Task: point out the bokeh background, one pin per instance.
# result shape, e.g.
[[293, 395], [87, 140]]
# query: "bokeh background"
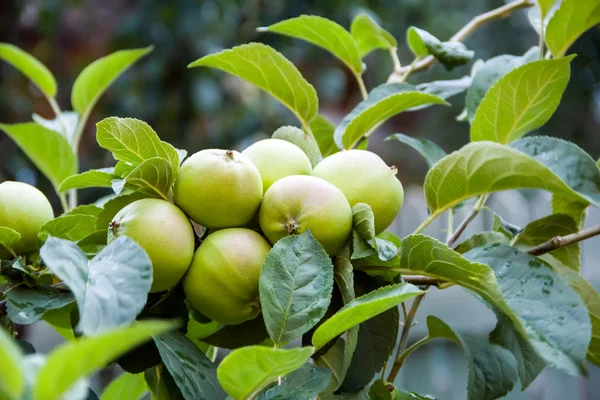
[[201, 108]]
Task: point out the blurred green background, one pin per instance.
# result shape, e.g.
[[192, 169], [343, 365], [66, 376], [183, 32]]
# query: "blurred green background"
[[202, 108]]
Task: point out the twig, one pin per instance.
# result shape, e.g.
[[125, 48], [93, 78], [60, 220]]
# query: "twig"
[[463, 225], [561, 241], [469, 28], [404, 336]]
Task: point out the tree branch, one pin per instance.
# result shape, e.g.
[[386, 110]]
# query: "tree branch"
[[463, 225], [561, 241]]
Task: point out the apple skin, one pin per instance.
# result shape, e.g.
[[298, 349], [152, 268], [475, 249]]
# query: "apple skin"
[[25, 209], [222, 282], [276, 159], [218, 188], [164, 232], [364, 177], [297, 203]]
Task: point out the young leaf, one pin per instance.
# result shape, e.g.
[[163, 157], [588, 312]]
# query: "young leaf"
[[304, 383], [93, 81], [111, 289], [322, 130], [481, 239], [324, 33], [295, 286], [429, 150], [544, 229], [47, 149], [362, 309], [126, 386], [134, 141], [489, 73], [75, 360], [363, 237], [492, 370], [92, 178], [450, 54], [30, 67], [370, 36], [570, 21], [521, 101], [153, 177], [194, 374], [382, 103], [113, 206], [537, 295], [266, 68], [481, 167], [247, 371], [27, 306], [72, 227], [8, 238], [64, 124], [303, 140], [12, 376]]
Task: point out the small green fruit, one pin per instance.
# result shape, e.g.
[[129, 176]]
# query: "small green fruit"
[[297, 203], [222, 282], [25, 209], [164, 232], [276, 159], [218, 188], [363, 177]]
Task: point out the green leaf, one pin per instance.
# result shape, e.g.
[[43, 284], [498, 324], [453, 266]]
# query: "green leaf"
[[113, 206], [489, 73], [111, 289], [333, 360], [295, 286], [161, 384], [35, 71], [153, 177], [450, 54], [521, 101], [75, 360], [8, 237], [363, 236], [66, 124], [485, 167], [47, 149], [12, 376], [324, 33], [446, 88], [383, 102], [370, 36], [556, 320], [60, 320], [247, 371], [565, 205], [570, 21], [362, 309], [93, 81], [545, 6], [72, 227], [322, 130], [304, 383], [363, 221], [266, 68], [134, 141], [305, 141], [492, 370], [504, 227], [85, 209], [27, 306], [429, 150], [481, 239], [92, 178], [126, 386], [234, 336], [544, 229], [194, 374]]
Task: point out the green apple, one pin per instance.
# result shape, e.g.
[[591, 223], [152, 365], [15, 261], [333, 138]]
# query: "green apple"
[[276, 159], [364, 177], [222, 282], [218, 188], [166, 234], [25, 209], [297, 203]]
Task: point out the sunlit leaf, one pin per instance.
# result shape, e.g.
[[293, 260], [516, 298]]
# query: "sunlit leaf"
[[570, 21], [92, 178], [30, 67], [370, 36]]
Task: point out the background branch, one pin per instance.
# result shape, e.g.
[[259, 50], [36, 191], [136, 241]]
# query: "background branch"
[[561, 241]]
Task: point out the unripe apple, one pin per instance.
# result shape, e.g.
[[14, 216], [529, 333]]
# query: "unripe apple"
[[218, 188], [222, 282], [25, 209], [164, 232], [276, 159], [363, 177], [297, 203]]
